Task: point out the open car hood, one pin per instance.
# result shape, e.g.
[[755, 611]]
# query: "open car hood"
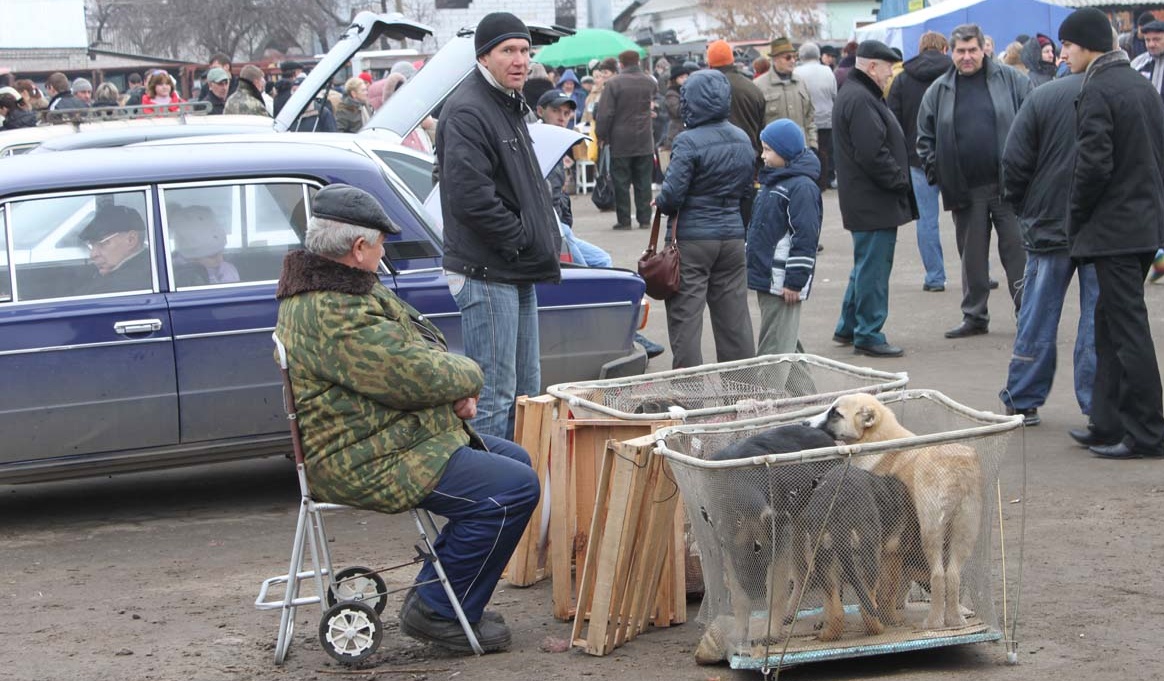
[[550, 144], [366, 28], [440, 76]]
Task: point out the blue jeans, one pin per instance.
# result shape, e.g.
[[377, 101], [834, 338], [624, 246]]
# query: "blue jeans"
[[499, 326], [866, 304], [488, 498], [1032, 366], [929, 239]]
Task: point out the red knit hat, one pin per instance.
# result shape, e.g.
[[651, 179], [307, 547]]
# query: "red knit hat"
[[366, 77], [719, 53]]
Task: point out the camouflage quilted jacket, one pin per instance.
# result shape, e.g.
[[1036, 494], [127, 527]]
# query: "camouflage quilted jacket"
[[373, 383]]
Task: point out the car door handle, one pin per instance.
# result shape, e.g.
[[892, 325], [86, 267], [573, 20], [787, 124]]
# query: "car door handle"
[[134, 326]]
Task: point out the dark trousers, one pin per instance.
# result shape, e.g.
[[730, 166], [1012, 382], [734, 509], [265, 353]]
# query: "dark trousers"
[[825, 153], [712, 274], [972, 224], [487, 498], [1126, 398], [628, 171], [866, 304]]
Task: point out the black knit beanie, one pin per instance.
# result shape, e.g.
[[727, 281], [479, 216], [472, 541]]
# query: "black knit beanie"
[[496, 28], [1088, 28]]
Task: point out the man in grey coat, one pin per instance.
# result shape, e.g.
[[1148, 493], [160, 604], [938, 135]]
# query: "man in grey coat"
[[962, 126], [822, 88]]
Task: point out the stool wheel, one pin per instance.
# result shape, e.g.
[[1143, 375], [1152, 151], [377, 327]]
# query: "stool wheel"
[[350, 632], [358, 584]]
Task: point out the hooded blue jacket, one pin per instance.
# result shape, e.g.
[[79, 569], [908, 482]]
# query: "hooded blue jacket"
[[785, 227], [712, 164], [579, 95]]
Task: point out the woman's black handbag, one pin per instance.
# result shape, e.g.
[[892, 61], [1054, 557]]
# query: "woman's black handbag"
[[603, 195], [660, 269]]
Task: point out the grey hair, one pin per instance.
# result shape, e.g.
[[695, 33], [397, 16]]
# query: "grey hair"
[[334, 239], [967, 32], [809, 51]]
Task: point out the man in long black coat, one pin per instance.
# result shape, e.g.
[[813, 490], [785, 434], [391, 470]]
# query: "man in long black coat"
[[1116, 220], [875, 194]]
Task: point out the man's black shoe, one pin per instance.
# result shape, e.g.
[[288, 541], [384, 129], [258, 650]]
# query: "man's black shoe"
[[421, 622], [933, 288], [488, 615], [1087, 437], [965, 330], [1121, 450], [993, 284], [883, 350], [842, 340], [1030, 416], [622, 225], [644, 225]]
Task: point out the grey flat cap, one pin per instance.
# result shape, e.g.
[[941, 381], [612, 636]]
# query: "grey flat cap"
[[352, 205], [875, 49]]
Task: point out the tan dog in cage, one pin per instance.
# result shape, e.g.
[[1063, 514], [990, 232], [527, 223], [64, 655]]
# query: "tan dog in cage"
[[945, 482]]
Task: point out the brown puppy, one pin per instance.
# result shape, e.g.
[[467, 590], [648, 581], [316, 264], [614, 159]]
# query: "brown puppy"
[[945, 482]]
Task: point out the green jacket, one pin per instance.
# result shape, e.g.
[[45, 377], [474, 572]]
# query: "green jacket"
[[374, 386]]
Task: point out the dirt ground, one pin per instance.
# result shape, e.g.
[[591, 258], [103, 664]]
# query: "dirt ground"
[[153, 576]]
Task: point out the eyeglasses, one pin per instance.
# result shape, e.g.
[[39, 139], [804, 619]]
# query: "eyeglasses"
[[94, 245]]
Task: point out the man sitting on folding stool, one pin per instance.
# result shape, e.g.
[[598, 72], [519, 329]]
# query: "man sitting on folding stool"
[[383, 408]]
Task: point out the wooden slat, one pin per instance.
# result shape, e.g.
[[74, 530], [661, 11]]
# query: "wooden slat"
[[532, 431], [561, 522]]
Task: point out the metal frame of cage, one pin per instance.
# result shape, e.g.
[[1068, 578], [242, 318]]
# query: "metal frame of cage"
[[737, 398], [776, 654]]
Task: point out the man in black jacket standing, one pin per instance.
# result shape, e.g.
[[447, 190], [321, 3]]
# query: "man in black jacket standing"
[[1036, 172], [961, 130], [905, 96], [1116, 221], [875, 196], [500, 233]]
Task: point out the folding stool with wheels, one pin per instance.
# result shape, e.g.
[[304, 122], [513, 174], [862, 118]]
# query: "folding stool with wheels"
[[353, 598]]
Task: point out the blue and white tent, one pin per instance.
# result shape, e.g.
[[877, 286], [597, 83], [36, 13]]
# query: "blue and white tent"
[[1000, 19]]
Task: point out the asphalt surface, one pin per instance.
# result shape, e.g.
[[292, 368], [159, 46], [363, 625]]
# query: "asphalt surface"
[[153, 576]]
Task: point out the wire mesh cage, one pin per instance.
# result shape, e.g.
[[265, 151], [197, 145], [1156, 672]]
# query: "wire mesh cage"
[[813, 550], [762, 386]]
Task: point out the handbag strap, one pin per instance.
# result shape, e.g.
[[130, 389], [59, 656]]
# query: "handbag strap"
[[653, 242]]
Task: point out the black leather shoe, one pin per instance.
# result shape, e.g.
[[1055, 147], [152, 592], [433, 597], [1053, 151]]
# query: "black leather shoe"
[[993, 284], [622, 226], [1087, 437], [421, 622], [1119, 450], [487, 616], [883, 350], [933, 288], [965, 330], [842, 340]]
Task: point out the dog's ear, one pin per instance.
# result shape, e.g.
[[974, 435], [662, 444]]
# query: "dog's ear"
[[866, 417]]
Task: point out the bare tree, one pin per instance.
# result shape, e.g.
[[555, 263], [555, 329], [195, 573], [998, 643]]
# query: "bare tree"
[[754, 20]]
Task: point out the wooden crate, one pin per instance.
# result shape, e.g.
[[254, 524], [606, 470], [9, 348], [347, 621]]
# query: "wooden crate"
[[633, 571], [578, 447], [532, 427]]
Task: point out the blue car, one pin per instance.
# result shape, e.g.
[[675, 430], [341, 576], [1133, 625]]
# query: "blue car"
[[168, 362]]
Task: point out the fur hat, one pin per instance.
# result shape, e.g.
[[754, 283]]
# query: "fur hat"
[[496, 28], [784, 137], [1088, 28], [719, 53], [197, 233]]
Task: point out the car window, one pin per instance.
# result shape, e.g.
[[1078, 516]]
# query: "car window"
[[416, 173], [230, 233], [5, 273], [80, 244]]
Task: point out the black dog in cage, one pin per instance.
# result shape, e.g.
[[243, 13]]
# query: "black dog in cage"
[[851, 521], [754, 523]]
